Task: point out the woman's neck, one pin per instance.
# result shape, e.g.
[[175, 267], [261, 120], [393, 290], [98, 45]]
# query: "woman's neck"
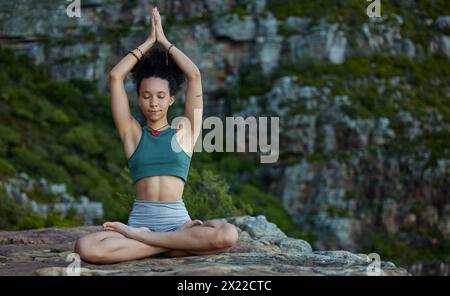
[[157, 125]]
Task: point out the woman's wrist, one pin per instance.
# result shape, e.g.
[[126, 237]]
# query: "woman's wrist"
[[165, 43], [144, 47]]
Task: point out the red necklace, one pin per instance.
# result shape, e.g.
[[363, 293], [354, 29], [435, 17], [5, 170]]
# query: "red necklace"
[[155, 132]]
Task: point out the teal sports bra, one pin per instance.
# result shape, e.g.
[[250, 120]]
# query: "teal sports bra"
[[154, 156]]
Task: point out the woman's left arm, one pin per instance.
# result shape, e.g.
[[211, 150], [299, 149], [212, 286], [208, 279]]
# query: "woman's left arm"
[[194, 97]]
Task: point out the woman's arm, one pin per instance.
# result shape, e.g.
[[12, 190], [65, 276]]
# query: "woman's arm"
[[121, 70], [194, 98], [189, 68], [120, 108]]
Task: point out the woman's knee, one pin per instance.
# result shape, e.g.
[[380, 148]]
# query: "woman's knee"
[[227, 236], [88, 248]]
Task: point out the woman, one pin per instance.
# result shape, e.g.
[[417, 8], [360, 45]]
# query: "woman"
[[159, 158]]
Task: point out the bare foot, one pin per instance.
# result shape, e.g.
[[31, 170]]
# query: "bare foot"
[[191, 223], [128, 231]]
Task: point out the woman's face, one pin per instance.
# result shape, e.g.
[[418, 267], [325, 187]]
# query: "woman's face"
[[154, 99]]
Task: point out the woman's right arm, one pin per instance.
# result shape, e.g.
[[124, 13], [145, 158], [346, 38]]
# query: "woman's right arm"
[[119, 100], [123, 119]]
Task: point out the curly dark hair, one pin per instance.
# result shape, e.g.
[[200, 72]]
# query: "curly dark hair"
[[153, 64]]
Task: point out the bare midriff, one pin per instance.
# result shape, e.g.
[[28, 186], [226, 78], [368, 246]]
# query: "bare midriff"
[[159, 188]]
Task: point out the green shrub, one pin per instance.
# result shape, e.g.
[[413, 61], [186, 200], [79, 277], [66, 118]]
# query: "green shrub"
[[62, 93], [56, 219], [9, 211], [266, 204], [206, 197], [85, 138], [81, 183], [26, 159], [54, 172], [252, 80], [59, 116], [115, 207], [10, 136], [30, 221], [3, 148], [77, 165]]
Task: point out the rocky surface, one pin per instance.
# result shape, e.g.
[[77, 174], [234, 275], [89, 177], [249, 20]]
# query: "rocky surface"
[[262, 249]]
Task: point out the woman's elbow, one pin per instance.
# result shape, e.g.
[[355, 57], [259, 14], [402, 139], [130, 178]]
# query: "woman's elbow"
[[195, 75], [114, 76]]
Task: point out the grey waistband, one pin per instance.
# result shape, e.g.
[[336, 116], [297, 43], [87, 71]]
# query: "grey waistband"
[[158, 215]]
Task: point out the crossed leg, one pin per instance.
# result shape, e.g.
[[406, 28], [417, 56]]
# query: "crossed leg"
[[204, 238], [109, 247], [121, 244], [182, 253]]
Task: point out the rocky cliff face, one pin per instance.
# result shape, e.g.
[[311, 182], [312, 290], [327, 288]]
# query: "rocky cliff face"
[[364, 149], [262, 249]]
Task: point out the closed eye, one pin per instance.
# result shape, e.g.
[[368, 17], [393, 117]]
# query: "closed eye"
[[161, 97], [148, 97]]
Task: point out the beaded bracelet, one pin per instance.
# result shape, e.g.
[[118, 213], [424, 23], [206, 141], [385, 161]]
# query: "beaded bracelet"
[[142, 54], [134, 55]]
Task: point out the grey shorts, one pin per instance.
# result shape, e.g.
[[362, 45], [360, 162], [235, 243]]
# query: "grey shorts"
[[158, 216]]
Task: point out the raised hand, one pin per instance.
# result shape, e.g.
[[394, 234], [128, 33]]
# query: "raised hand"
[[152, 36], [160, 37]]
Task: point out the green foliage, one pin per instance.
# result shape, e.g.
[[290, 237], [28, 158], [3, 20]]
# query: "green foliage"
[[247, 197], [56, 219], [332, 9], [15, 216], [395, 248], [84, 138], [270, 206], [54, 172], [207, 197], [360, 77], [191, 21], [76, 165], [113, 209], [30, 221], [26, 159], [120, 29], [354, 11], [9, 136], [6, 169], [46, 132], [252, 80], [10, 211], [240, 10], [33, 220]]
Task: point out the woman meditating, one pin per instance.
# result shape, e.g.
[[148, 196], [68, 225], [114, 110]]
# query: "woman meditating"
[[159, 157]]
